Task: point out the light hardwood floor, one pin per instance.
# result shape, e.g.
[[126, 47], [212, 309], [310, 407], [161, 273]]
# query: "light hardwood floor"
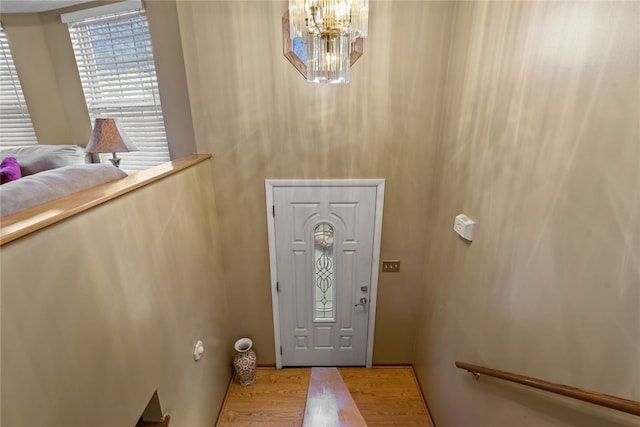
[[386, 396]]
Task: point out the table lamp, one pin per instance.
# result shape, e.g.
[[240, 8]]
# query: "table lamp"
[[109, 137]]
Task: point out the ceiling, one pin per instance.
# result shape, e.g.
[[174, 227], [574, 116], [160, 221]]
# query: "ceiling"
[[29, 6]]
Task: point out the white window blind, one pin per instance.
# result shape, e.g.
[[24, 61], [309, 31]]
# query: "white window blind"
[[115, 61], [16, 128]]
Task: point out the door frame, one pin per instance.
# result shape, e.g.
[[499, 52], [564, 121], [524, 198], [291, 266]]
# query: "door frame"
[[270, 184]]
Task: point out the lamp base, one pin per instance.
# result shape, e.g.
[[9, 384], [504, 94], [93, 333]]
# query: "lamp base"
[[115, 161]]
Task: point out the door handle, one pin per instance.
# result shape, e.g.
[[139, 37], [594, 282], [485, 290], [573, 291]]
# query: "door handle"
[[363, 302]]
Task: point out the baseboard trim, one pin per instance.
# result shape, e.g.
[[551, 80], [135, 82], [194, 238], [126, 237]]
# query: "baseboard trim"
[[424, 401], [226, 397]]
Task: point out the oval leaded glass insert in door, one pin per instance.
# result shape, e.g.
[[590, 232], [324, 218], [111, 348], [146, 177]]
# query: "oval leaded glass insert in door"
[[324, 277]]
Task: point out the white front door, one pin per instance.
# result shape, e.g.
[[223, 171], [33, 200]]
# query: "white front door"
[[326, 257]]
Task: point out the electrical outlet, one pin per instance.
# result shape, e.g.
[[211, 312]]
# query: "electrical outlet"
[[391, 266]]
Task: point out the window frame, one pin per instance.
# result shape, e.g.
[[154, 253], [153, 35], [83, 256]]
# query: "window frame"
[[124, 89]]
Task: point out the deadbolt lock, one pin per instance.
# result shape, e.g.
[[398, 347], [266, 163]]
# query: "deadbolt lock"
[[364, 288]]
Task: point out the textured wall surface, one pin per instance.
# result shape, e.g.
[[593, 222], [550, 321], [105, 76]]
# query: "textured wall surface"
[[541, 145], [30, 46], [263, 120], [104, 308], [523, 115]]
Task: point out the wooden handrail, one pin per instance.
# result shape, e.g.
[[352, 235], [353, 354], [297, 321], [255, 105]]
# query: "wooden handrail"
[[613, 402]]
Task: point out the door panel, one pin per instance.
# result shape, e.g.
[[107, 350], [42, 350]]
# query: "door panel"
[[324, 252]]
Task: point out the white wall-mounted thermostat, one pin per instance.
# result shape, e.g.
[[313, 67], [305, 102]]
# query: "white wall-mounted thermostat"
[[464, 226]]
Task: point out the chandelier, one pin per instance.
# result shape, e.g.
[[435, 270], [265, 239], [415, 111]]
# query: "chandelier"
[[329, 28]]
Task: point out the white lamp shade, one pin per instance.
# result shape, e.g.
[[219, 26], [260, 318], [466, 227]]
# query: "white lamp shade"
[[109, 137]]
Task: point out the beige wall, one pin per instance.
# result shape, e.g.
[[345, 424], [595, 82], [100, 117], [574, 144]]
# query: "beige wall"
[[66, 73], [263, 120], [42, 51], [541, 145], [522, 115], [36, 68], [172, 80], [101, 309]]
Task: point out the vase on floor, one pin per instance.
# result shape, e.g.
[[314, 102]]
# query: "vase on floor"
[[244, 362]]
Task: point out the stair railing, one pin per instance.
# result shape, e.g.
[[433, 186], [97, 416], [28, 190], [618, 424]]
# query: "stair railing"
[[608, 401]]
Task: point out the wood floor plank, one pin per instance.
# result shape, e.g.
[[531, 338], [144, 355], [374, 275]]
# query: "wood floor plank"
[[276, 399], [385, 396]]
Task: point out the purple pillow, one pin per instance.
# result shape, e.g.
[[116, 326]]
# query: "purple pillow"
[[9, 170]]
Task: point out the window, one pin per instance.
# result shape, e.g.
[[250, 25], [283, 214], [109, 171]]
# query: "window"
[[323, 261], [15, 123], [114, 55]]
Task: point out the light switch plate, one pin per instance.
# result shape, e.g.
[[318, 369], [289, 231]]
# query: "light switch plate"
[[391, 266]]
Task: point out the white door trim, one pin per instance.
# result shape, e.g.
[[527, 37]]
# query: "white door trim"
[[379, 184]]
